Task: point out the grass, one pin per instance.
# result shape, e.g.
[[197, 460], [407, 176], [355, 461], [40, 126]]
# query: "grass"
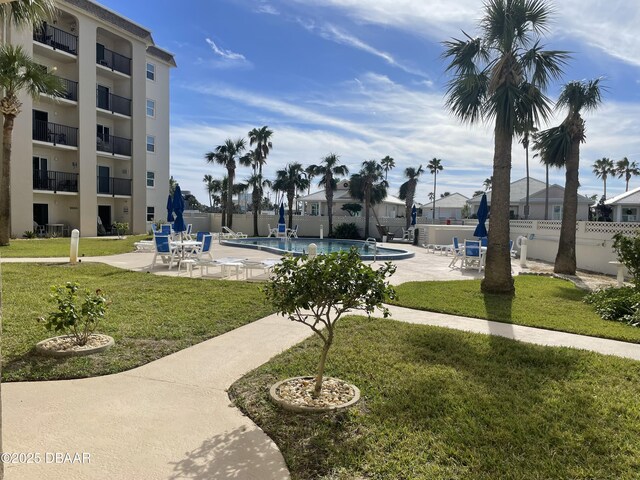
[[150, 316], [59, 247], [443, 404], [539, 302]]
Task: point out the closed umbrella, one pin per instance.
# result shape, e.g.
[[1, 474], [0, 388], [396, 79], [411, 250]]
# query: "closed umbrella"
[[483, 212], [414, 215], [169, 209], [281, 211], [178, 208]]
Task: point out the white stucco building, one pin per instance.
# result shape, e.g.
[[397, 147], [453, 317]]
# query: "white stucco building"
[[447, 208], [102, 150], [626, 206]]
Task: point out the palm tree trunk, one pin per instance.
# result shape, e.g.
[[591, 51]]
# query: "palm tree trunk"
[[255, 197], [526, 205], [329, 195], [433, 216], [5, 180], [627, 178], [566, 257], [604, 181], [497, 273], [546, 193], [230, 175], [290, 196]]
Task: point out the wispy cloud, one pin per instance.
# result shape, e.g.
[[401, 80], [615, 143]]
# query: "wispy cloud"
[[267, 9], [225, 54]]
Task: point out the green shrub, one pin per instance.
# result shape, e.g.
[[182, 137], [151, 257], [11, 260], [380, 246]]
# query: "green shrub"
[[628, 250], [29, 234], [617, 304], [346, 230]]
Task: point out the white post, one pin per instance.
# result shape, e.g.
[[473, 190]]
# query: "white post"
[[75, 240], [523, 253], [321, 232], [313, 250]]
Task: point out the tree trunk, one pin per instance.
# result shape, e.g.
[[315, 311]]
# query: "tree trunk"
[[526, 205], [323, 361], [497, 272], [566, 257], [367, 206], [409, 205], [255, 200], [604, 180], [5, 181], [290, 196], [329, 195], [546, 194], [433, 216], [230, 174]]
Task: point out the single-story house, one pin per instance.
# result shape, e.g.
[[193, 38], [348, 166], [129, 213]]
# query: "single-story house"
[[447, 208], [316, 203], [626, 206], [518, 197]]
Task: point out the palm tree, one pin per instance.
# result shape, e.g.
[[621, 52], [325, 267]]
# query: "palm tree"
[[208, 185], [526, 130], [387, 163], [627, 170], [291, 180], [560, 146], [477, 193], [327, 170], [226, 155], [261, 138], [501, 77], [257, 183], [408, 190], [18, 73], [434, 166], [487, 184], [369, 187], [310, 176], [252, 159], [602, 168]]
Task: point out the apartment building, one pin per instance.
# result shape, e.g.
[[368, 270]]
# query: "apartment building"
[[100, 152]]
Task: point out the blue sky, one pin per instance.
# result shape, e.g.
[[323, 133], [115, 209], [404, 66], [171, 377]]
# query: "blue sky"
[[364, 79]]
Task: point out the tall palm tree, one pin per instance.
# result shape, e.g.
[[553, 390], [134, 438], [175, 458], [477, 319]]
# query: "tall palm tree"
[[209, 186], [487, 184], [261, 138], [327, 170], [226, 155], [252, 159], [387, 163], [18, 73], [526, 130], [369, 187], [434, 166], [257, 183], [310, 171], [627, 169], [408, 190], [560, 146], [291, 180], [501, 77], [602, 168]]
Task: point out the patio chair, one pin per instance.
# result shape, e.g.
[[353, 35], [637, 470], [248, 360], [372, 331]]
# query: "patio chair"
[[407, 233], [383, 230], [457, 252], [484, 241], [292, 232], [39, 230], [472, 256], [264, 265], [233, 234], [282, 231], [164, 250], [188, 231], [273, 232], [165, 229]]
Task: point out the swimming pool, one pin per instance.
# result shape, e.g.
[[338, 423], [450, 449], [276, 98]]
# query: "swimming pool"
[[300, 246]]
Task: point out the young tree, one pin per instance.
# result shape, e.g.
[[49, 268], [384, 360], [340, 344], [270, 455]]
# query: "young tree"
[[408, 190], [602, 168], [327, 171], [434, 166], [226, 155], [299, 289], [501, 77], [291, 180], [627, 169], [560, 146], [369, 187]]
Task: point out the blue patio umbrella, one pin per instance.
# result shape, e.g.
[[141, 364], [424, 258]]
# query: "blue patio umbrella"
[[178, 208], [483, 212], [281, 210], [169, 209], [414, 215]]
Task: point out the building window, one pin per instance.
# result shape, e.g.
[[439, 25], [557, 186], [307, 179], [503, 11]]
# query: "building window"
[[151, 213], [315, 209], [151, 143], [630, 214], [151, 108], [557, 212], [151, 179], [151, 71]]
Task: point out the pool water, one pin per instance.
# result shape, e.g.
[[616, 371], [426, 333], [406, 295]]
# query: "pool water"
[[300, 246]]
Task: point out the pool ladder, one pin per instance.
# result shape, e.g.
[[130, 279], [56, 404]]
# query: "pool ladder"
[[372, 241]]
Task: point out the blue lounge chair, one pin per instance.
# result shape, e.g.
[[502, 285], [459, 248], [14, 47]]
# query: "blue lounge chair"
[[164, 250]]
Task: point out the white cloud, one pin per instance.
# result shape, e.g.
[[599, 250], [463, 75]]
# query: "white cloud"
[[267, 9], [225, 54]]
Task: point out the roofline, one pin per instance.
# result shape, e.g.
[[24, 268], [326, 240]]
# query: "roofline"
[[161, 54]]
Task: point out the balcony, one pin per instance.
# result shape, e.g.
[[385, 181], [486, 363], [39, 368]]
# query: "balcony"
[[112, 60], [114, 145], [113, 103], [56, 38], [55, 181], [70, 91], [113, 186], [55, 134]]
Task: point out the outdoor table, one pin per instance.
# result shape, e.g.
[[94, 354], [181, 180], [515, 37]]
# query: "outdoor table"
[[55, 228], [185, 245]]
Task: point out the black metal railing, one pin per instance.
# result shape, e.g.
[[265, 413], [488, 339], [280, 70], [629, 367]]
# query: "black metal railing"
[[70, 89], [113, 103], [56, 38], [114, 61], [54, 133], [114, 145], [114, 186], [55, 181]]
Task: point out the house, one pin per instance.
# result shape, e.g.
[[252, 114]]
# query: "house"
[[626, 206], [517, 201], [316, 203], [447, 208], [101, 149]]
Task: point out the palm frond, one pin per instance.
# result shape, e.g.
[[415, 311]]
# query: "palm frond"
[[542, 66], [466, 95], [28, 12], [554, 145]]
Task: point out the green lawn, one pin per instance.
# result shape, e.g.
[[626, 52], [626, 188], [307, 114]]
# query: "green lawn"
[[59, 247], [149, 317], [443, 404], [539, 302]]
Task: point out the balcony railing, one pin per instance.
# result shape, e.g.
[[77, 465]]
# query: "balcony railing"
[[114, 145], [54, 133], [56, 38], [114, 186], [114, 61], [70, 89], [113, 103], [55, 181]]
